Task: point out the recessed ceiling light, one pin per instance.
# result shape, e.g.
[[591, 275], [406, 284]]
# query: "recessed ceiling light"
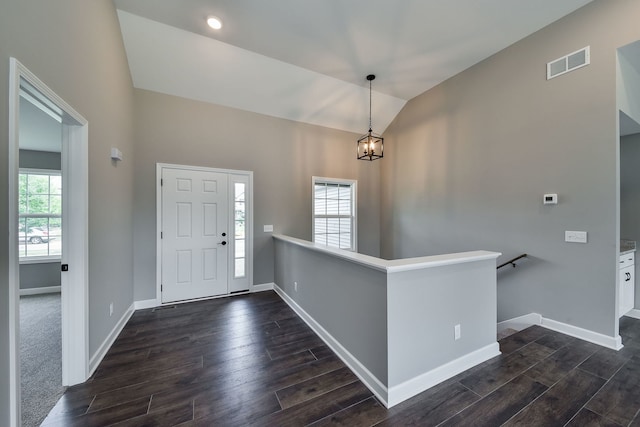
[[214, 22]]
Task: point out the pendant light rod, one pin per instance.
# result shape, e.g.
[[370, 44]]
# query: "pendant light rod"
[[370, 77]]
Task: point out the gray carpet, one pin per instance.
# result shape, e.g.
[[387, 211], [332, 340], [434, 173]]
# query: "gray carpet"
[[40, 356]]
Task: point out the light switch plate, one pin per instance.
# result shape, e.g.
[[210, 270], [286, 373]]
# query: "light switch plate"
[[268, 228], [575, 236]]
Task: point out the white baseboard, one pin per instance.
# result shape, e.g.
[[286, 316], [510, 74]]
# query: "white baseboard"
[[109, 340], [263, 287], [38, 291], [370, 380], [614, 343], [521, 322], [414, 386], [143, 304], [634, 312]]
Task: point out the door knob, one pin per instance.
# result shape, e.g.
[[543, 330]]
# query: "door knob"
[[223, 243], [224, 234]]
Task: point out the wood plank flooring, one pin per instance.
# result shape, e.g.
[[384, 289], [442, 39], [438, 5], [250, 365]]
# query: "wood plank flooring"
[[249, 360]]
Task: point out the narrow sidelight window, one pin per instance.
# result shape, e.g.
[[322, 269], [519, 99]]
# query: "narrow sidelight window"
[[240, 237]]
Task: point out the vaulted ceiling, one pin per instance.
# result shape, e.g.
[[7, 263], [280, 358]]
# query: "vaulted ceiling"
[[306, 60]]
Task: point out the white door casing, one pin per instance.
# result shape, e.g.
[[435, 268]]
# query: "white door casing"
[[194, 234], [75, 282]]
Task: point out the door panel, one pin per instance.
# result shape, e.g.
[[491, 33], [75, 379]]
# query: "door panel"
[[194, 216]]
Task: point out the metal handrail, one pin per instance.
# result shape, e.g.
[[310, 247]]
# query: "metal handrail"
[[512, 261]]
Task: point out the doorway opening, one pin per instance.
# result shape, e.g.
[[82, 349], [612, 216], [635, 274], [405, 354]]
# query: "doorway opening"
[[205, 238], [628, 103], [40, 249], [70, 213]]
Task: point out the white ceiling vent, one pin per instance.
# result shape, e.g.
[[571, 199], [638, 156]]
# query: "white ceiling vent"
[[569, 62]]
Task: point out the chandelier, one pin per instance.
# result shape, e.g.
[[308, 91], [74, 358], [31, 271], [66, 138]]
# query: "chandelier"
[[370, 145]]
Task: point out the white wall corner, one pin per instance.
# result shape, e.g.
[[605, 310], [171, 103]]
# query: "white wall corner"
[[109, 340], [263, 287], [521, 322]]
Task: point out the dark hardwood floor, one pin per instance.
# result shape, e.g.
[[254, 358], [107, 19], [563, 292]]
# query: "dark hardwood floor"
[[249, 360]]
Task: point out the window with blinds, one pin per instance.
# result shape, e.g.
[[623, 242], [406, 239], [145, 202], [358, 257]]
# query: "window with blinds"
[[334, 213]]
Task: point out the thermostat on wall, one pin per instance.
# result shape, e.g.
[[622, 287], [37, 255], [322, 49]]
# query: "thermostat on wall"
[[550, 199]]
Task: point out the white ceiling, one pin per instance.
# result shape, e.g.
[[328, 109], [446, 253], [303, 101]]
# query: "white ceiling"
[[628, 126], [38, 130], [307, 60]]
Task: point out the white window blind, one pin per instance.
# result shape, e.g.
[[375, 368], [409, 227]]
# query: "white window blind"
[[334, 213]]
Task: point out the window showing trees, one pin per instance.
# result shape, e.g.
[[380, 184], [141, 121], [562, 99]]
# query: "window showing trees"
[[40, 214]]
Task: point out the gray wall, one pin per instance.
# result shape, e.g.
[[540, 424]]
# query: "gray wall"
[[283, 155], [75, 47], [469, 161], [41, 274], [425, 305], [349, 300], [399, 325], [630, 195]]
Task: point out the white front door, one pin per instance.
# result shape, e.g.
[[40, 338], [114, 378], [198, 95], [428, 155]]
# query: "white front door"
[[194, 235]]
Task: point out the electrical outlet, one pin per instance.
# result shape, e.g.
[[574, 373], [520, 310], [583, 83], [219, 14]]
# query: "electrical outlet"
[[456, 332], [295, 286], [111, 309], [575, 236]]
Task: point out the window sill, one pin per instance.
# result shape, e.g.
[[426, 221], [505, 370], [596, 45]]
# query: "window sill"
[[40, 260]]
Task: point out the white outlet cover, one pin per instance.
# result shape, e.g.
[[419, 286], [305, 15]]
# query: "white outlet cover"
[[575, 236], [268, 228]]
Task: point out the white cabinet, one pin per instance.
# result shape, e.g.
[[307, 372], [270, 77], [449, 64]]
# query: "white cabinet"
[[626, 294]]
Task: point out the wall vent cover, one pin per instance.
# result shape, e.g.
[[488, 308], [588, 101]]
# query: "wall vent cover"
[[570, 62]]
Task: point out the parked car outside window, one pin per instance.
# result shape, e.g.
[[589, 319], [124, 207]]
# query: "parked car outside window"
[[34, 235]]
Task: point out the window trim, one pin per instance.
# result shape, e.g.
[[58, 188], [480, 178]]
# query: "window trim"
[[39, 259], [354, 207]]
